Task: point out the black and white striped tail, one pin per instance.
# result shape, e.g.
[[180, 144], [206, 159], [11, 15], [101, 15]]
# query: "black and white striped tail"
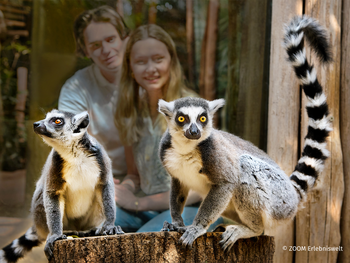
[[319, 126], [19, 247]]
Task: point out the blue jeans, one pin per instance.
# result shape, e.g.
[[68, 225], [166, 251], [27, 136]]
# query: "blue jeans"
[[152, 221]]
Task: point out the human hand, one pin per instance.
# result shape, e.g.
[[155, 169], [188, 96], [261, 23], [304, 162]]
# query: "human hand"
[[124, 197]]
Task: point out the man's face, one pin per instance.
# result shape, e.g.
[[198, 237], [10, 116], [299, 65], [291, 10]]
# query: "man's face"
[[104, 45]]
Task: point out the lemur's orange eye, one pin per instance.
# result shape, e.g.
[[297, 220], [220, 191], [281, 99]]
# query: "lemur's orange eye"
[[58, 121], [181, 119], [203, 119]]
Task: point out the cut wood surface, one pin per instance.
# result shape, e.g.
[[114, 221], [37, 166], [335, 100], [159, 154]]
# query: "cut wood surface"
[[161, 247]]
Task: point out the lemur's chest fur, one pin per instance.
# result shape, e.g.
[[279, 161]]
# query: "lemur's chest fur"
[[81, 175], [188, 169]]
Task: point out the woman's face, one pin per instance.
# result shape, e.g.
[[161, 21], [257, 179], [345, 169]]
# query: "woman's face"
[[104, 45], [150, 62]]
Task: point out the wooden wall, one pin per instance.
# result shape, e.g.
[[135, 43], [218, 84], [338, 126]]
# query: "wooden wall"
[[283, 115], [318, 224]]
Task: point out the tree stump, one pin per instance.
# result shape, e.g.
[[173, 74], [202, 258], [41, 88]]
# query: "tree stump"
[[161, 247]]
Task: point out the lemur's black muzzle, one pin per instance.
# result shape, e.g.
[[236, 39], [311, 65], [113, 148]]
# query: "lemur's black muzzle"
[[40, 128], [193, 133]]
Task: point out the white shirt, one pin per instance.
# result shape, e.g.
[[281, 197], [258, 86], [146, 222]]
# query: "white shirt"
[[87, 90]]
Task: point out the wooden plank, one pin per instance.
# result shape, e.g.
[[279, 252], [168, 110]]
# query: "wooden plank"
[[14, 10], [318, 224], [253, 72], [120, 8], [235, 8], [9, 3], [207, 89], [15, 23], [152, 13], [345, 130], [8, 15], [210, 53], [24, 33], [283, 117], [190, 42]]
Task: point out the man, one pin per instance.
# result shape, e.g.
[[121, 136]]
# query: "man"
[[100, 35]]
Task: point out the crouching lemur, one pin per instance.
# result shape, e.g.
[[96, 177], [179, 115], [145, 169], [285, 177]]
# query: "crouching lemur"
[[236, 179], [75, 191]]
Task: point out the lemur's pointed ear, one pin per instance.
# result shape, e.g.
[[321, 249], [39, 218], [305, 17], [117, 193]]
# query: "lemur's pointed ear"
[[81, 122], [215, 105], [166, 108]]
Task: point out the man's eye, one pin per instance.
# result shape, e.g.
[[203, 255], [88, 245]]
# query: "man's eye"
[[111, 39], [95, 46]]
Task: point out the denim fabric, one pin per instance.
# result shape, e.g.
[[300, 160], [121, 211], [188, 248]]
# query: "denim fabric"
[[189, 213], [132, 221]]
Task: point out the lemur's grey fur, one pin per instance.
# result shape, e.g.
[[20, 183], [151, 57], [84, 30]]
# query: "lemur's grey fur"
[[235, 178], [75, 191]]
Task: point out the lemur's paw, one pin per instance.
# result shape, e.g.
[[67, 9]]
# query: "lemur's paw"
[[191, 234], [109, 230], [49, 244], [230, 236], [178, 227]]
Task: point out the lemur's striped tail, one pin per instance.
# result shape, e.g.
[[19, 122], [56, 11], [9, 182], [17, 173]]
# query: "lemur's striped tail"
[[19, 247], [314, 153]]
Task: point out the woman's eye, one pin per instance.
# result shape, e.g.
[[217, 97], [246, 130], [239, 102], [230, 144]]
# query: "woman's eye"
[[203, 119], [159, 59], [140, 62], [181, 119]]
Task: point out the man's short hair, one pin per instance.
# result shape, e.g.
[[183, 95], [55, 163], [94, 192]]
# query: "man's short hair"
[[100, 14]]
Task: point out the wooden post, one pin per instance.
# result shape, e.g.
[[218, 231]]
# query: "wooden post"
[[207, 74], [190, 42], [161, 247], [282, 140], [152, 12], [119, 7], [345, 131], [22, 76], [137, 7], [319, 223], [248, 70], [233, 62]]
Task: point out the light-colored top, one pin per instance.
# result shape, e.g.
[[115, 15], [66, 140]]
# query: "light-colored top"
[[154, 178], [87, 90]]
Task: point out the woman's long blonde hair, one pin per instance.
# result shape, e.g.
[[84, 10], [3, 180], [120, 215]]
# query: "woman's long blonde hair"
[[132, 103]]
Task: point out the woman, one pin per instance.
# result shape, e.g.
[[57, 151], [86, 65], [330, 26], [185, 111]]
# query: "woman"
[[150, 71]]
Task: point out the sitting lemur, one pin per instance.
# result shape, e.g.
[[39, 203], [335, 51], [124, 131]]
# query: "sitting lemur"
[[236, 179], [75, 191]]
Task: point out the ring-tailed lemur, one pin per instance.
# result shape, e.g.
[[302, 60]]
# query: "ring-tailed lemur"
[[235, 178], [75, 191]]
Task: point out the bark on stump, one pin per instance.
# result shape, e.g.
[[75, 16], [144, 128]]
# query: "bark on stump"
[[161, 247]]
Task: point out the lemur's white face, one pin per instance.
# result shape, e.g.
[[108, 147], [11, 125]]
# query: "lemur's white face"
[[61, 128], [190, 118], [192, 122]]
